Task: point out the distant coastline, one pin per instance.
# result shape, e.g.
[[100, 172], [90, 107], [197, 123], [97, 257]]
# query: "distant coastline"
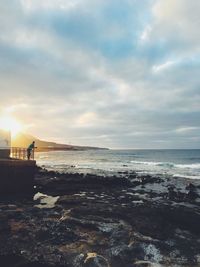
[[23, 140], [73, 148]]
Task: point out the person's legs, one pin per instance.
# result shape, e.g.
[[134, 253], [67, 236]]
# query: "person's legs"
[[28, 154]]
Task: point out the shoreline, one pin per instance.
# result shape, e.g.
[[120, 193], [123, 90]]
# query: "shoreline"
[[124, 221], [155, 162]]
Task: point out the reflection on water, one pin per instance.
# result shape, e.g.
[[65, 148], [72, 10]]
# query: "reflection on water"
[[45, 201]]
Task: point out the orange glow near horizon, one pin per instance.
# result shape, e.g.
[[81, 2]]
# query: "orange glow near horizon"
[[9, 123]]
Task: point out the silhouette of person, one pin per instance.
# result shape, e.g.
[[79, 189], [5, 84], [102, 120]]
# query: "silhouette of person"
[[30, 148]]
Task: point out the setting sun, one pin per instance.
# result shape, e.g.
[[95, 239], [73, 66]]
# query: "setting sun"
[[10, 124]]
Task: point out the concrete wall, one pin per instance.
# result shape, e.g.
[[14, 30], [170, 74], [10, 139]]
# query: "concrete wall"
[[5, 143], [16, 176]]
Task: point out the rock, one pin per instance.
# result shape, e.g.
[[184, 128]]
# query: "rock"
[[4, 226], [95, 260], [130, 220], [143, 264], [120, 255], [78, 260], [192, 192]]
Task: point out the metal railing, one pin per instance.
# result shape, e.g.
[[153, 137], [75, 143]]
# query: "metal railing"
[[21, 153]]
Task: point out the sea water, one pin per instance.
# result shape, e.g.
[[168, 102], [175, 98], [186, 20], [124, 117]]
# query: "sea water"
[[173, 162]]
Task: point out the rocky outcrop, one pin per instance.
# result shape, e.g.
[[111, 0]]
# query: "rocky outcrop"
[[88, 220]]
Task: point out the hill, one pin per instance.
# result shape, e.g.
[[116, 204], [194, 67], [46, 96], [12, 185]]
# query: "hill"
[[23, 140]]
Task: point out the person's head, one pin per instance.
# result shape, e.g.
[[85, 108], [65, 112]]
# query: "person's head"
[[33, 142]]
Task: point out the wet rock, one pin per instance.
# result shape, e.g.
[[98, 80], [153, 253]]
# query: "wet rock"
[[4, 226], [120, 255], [126, 221], [95, 260], [192, 193], [143, 264], [78, 260]]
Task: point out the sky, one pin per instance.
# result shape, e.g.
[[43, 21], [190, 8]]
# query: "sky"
[[110, 73]]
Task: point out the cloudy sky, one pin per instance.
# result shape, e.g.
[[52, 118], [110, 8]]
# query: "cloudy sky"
[[113, 73]]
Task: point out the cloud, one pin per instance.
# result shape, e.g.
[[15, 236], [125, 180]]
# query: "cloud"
[[108, 73], [87, 119], [164, 66], [145, 34], [186, 129], [36, 5], [177, 22]]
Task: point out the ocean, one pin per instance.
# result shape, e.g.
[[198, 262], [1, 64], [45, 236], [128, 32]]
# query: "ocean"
[[173, 162]]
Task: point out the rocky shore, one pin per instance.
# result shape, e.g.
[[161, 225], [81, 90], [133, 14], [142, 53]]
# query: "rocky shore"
[[77, 220]]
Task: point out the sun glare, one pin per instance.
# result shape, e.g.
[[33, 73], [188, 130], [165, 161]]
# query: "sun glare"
[[10, 124]]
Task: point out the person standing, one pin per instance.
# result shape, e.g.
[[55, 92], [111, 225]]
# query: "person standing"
[[30, 148]]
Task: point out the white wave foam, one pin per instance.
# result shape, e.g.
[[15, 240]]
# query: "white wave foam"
[[177, 175], [152, 163], [168, 164], [188, 166], [144, 162]]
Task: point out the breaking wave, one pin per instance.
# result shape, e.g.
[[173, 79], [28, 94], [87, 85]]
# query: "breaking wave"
[[188, 166], [176, 175], [168, 164]]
